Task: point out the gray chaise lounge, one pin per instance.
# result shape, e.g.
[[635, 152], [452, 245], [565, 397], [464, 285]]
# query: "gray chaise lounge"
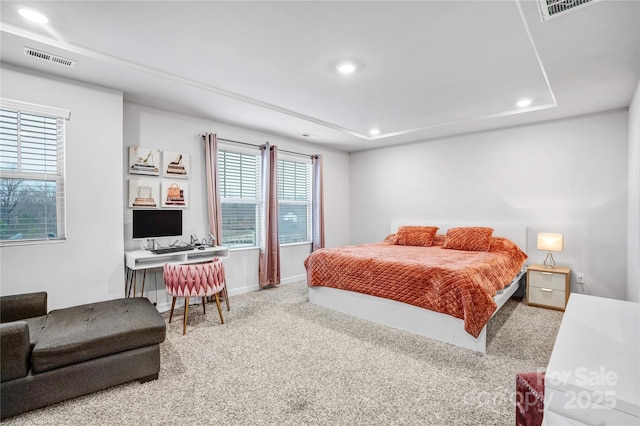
[[47, 358]]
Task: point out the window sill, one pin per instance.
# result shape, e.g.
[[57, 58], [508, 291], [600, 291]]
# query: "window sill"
[[243, 248], [13, 243], [306, 243], [281, 246]]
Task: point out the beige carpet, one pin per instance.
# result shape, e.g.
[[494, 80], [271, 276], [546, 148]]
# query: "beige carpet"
[[279, 360]]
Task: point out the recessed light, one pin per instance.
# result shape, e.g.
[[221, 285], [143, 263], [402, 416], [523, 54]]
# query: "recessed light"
[[522, 103], [346, 67], [33, 16], [374, 132]]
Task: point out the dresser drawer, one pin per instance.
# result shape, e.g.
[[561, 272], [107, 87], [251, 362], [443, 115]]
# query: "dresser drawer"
[[547, 297], [548, 280]]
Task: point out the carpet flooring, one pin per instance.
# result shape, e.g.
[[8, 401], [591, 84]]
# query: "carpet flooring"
[[278, 360]]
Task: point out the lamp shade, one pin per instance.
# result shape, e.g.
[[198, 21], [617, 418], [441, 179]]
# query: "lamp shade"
[[550, 242]]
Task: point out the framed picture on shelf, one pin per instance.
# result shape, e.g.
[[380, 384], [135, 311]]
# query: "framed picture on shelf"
[[175, 194], [144, 161], [175, 164], [144, 193]]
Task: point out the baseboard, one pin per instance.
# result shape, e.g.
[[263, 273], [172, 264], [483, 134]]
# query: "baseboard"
[[294, 279], [256, 287], [243, 290]]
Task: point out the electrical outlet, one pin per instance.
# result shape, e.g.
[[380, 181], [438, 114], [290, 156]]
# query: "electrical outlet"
[[580, 278]]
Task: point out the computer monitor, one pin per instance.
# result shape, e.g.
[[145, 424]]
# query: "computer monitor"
[[157, 223]]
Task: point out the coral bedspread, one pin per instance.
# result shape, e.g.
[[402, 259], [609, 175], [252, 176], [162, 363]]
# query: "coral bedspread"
[[454, 282]]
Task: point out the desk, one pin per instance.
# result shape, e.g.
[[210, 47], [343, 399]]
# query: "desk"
[[593, 375], [141, 260]]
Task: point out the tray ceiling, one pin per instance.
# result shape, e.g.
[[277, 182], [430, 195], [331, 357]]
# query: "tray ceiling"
[[427, 69]]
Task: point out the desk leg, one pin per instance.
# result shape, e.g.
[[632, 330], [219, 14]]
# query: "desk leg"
[[144, 277], [129, 282], [132, 282]]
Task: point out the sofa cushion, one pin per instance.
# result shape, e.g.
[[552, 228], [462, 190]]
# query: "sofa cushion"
[[90, 331], [36, 324], [14, 350], [17, 307]]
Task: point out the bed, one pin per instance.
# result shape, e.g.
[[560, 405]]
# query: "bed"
[[426, 278]]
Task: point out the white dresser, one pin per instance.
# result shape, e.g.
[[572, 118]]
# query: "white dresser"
[[593, 377]]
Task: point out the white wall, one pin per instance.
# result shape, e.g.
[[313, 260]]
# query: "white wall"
[[89, 266], [633, 245], [567, 176], [153, 128]]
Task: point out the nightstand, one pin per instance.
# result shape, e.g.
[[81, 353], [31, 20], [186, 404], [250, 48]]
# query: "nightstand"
[[548, 287]]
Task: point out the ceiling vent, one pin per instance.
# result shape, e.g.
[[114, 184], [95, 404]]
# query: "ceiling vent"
[[552, 8], [49, 57]]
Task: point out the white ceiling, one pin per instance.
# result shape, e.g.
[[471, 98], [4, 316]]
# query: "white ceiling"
[[429, 68]]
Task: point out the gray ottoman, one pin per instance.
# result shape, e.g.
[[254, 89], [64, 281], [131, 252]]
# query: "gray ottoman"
[[85, 332], [87, 348]]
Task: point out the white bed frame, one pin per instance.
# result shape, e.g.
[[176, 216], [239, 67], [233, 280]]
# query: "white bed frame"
[[434, 325]]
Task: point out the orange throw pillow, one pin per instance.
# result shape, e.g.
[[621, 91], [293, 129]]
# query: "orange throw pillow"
[[416, 235], [468, 238]]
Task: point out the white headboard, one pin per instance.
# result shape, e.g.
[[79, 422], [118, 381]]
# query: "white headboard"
[[516, 232]]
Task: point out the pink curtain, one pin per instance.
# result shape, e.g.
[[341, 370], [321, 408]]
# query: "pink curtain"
[[213, 195], [317, 204], [269, 274], [213, 186]]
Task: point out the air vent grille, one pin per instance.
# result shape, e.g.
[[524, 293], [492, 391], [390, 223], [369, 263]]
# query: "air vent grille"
[[553, 8], [49, 57]]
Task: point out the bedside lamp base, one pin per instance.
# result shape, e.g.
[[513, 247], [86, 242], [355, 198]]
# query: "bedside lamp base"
[[549, 262]]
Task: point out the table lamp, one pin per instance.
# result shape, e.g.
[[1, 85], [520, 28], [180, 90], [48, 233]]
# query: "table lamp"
[[550, 242]]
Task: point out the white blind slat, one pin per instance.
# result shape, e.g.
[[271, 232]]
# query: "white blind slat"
[[294, 195], [31, 175], [239, 189]]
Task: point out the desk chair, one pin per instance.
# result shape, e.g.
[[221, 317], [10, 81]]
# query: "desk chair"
[[194, 280]]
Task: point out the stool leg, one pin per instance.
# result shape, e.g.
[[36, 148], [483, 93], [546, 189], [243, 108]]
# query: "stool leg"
[[204, 310], [186, 313], [173, 304], [226, 295], [219, 309]]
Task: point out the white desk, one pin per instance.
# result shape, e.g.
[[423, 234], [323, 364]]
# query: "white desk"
[[144, 259], [141, 260], [593, 376]]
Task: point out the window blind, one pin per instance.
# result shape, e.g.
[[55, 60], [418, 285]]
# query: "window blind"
[[239, 198], [32, 190], [294, 201]]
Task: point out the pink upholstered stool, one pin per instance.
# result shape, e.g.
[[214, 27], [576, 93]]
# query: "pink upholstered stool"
[[529, 399], [194, 280]]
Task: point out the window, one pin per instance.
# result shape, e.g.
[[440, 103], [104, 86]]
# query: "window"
[[239, 198], [294, 201], [31, 173]]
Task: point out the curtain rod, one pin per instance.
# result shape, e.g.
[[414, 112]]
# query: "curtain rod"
[[258, 146]]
